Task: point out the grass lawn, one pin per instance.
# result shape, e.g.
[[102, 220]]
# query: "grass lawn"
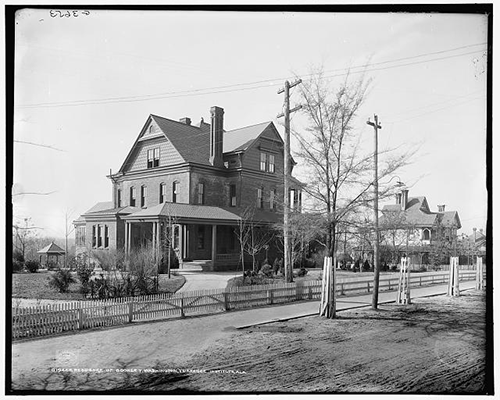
[[36, 286]]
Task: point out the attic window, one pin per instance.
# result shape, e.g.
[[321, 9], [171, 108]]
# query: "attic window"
[[153, 157]]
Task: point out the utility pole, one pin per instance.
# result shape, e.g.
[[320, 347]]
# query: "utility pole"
[[376, 266], [286, 191]]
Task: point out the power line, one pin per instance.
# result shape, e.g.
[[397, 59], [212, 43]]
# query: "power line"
[[39, 145], [241, 86]]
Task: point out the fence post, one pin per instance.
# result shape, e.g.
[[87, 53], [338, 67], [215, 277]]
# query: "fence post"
[[182, 307], [342, 288], [226, 301], [368, 285], [80, 316], [130, 311], [269, 296]]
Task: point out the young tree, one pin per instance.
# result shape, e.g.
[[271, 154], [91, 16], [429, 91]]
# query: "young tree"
[[339, 174], [252, 236]]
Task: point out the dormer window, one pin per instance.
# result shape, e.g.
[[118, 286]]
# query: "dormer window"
[[426, 234], [154, 157]]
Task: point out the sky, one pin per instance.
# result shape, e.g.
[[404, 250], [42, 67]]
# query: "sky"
[[85, 85]]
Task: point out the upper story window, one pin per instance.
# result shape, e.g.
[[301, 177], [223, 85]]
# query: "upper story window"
[[119, 198], [267, 162], [163, 192], [271, 166], [132, 196], [201, 193], [263, 161], [153, 157], [260, 198], [94, 242], [232, 195], [144, 193], [175, 191], [426, 234]]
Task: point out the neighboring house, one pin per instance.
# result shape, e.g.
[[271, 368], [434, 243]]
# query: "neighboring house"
[[410, 227], [200, 179], [473, 245]]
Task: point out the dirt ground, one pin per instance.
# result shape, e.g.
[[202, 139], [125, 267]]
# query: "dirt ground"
[[436, 345]]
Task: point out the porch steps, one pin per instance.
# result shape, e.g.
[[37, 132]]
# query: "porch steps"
[[196, 265]]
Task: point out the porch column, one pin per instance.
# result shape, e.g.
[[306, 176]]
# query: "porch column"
[[157, 239], [155, 247], [184, 241], [129, 237], [214, 244]]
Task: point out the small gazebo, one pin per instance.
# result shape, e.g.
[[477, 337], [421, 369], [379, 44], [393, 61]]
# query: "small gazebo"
[[52, 253]]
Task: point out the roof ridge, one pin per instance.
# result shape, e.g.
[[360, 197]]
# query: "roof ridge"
[[173, 120], [249, 126]]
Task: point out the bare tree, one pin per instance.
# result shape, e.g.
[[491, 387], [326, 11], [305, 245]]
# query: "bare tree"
[[253, 236], [24, 236], [339, 175]]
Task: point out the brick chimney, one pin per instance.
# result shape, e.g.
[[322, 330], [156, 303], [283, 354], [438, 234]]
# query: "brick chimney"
[[185, 120], [441, 208], [216, 133], [404, 199]]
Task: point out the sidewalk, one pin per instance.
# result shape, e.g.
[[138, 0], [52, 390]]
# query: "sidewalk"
[[298, 310]]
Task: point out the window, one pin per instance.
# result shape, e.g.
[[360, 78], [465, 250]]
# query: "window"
[[232, 195], [144, 191], [153, 157], [263, 161], [272, 196], [80, 236], [119, 198], [106, 236], [201, 193], [260, 198], [426, 235], [201, 237], [132, 196], [291, 199], [175, 191], [99, 237], [163, 192], [94, 242], [271, 167]]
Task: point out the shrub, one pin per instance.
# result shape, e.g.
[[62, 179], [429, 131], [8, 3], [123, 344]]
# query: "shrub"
[[32, 265], [17, 266], [61, 280], [302, 272], [18, 256], [266, 270]]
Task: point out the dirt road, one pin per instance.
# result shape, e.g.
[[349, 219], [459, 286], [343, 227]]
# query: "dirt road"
[[436, 345]]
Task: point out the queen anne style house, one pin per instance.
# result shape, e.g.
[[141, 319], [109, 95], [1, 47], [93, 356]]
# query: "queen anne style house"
[[410, 227], [199, 181]]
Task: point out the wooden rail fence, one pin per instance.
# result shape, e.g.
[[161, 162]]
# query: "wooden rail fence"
[[47, 320]]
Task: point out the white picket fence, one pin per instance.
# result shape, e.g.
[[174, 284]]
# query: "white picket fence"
[[52, 319]]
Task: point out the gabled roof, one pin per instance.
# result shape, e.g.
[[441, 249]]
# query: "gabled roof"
[[241, 139], [193, 142], [51, 249], [417, 213]]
